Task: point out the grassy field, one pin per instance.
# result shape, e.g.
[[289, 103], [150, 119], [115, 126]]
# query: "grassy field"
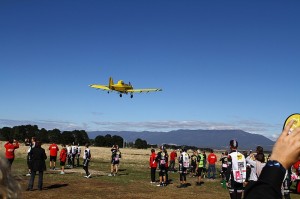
[[133, 180]]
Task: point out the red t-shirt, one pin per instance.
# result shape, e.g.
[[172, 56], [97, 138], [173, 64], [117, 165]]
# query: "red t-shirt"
[[212, 158], [10, 150], [152, 162], [63, 155], [53, 149], [173, 155]]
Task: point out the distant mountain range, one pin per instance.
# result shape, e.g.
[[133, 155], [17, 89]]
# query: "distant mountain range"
[[216, 139]]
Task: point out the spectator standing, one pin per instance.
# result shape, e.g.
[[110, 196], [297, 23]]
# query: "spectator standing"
[[38, 157], [78, 154], [162, 159], [115, 160], [86, 160], [74, 154], [184, 164], [10, 147], [200, 165], [63, 158], [236, 171], [53, 155], [211, 159], [31, 145], [152, 165], [173, 156]]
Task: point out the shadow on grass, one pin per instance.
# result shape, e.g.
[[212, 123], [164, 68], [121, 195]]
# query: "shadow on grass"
[[56, 186]]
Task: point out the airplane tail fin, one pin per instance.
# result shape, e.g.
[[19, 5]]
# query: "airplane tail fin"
[[111, 82]]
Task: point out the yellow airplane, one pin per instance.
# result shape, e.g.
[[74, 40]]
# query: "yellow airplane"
[[122, 88]]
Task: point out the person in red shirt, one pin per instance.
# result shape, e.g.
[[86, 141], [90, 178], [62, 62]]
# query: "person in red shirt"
[[53, 155], [173, 156], [10, 147], [63, 158], [152, 165], [211, 159]]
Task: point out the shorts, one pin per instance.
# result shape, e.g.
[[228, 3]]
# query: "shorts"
[[62, 163], [53, 158], [199, 171], [113, 162], [163, 171]]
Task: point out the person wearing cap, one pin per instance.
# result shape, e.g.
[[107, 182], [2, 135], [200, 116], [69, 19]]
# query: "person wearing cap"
[[162, 159], [236, 171]]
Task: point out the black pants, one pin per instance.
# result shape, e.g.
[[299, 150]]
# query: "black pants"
[[182, 176], [31, 180], [235, 190], [86, 166], [153, 171]]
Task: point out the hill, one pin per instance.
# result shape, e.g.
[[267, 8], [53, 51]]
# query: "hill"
[[217, 139]]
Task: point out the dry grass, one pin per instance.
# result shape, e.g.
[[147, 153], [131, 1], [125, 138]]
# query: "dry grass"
[[132, 181]]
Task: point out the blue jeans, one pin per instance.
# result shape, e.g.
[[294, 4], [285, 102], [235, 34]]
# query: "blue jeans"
[[211, 168], [31, 181]]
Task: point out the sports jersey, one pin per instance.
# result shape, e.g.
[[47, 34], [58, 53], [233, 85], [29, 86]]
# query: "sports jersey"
[[63, 155], [173, 155], [78, 150], [237, 166], [212, 158], [162, 159], [193, 159], [87, 154], [74, 150], [224, 161], [152, 162], [10, 150], [53, 149], [184, 160], [200, 160]]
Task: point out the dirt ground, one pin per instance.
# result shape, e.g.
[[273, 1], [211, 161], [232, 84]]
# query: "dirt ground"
[[132, 181]]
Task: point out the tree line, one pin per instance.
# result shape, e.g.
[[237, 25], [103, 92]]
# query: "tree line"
[[80, 137], [23, 132]]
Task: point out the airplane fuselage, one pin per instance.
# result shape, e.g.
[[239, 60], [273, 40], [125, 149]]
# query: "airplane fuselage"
[[121, 87]]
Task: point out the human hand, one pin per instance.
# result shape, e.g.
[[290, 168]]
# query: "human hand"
[[287, 147]]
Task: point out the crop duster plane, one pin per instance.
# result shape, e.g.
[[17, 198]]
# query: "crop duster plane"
[[122, 88]]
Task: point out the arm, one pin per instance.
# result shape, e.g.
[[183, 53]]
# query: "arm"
[[285, 152], [251, 162]]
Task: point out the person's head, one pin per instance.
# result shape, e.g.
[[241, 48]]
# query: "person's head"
[[9, 187], [38, 144], [259, 149], [33, 139], [226, 153], [162, 148], [211, 151], [260, 157], [10, 141], [152, 150], [184, 149], [63, 146], [198, 151], [87, 145], [233, 144]]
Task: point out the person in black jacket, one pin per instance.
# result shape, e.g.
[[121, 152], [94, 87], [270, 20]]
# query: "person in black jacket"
[[286, 152], [38, 157]]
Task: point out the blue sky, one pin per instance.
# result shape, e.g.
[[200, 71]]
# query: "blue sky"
[[221, 64]]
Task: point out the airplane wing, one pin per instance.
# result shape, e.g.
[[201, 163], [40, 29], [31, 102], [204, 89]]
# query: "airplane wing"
[[97, 86], [147, 90]]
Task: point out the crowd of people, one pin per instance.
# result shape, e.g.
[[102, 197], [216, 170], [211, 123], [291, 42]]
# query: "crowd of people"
[[248, 175]]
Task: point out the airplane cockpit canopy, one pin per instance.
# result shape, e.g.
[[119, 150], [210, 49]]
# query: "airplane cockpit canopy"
[[121, 82]]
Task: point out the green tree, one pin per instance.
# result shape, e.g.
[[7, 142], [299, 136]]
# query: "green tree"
[[42, 136], [100, 141], [140, 144], [54, 136]]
